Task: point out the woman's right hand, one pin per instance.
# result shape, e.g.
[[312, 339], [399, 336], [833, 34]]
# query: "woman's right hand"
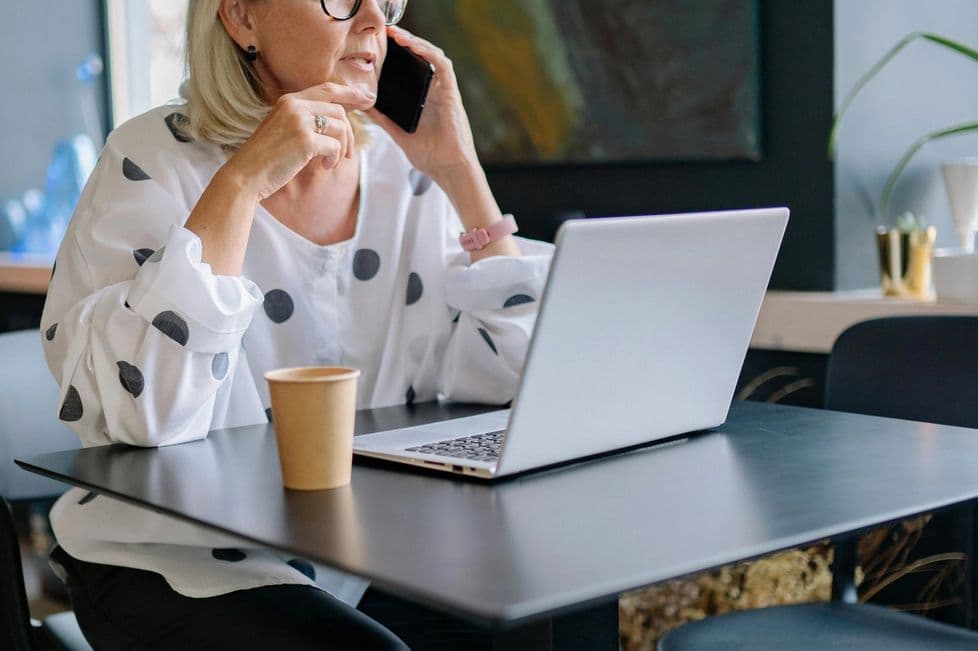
[[281, 146], [287, 140]]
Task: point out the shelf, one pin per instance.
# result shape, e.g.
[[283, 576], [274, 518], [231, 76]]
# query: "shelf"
[[810, 322], [25, 273]]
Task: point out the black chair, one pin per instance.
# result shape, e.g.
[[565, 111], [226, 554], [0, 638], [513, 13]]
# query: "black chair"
[[19, 631], [918, 368], [28, 425]]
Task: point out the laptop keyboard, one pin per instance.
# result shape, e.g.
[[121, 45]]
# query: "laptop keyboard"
[[478, 447]]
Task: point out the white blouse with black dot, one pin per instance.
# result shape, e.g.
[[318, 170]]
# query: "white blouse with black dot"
[[150, 348]]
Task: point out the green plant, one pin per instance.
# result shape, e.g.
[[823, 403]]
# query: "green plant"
[[909, 222], [923, 140]]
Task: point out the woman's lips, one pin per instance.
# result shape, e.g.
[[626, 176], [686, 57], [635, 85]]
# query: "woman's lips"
[[359, 61]]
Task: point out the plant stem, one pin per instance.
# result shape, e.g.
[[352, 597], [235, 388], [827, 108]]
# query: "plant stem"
[[906, 40], [911, 152]]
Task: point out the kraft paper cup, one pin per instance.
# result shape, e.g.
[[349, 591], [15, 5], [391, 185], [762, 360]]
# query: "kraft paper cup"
[[313, 411]]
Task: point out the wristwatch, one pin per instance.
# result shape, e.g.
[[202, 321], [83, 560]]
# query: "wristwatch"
[[478, 238]]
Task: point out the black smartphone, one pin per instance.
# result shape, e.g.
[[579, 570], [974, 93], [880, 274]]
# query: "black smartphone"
[[403, 86]]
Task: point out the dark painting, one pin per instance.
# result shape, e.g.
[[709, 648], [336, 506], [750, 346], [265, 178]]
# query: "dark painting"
[[608, 80]]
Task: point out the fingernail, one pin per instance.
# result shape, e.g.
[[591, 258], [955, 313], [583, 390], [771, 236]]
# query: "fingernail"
[[370, 95]]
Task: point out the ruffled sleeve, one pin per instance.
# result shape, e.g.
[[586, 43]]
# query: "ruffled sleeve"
[[140, 334], [496, 299]]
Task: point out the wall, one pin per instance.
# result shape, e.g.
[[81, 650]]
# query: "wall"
[[925, 87], [41, 43], [797, 109]]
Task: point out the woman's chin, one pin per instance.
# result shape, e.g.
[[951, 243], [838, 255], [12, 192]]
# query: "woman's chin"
[[362, 81]]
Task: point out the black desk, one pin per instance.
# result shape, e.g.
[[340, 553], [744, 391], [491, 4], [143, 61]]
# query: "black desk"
[[540, 553]]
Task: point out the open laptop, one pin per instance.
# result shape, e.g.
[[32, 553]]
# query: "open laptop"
[[641, 333]]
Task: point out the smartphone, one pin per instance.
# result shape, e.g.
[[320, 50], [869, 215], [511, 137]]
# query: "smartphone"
[[403, 86]]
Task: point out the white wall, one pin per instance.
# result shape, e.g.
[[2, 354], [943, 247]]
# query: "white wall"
[[924, 88]]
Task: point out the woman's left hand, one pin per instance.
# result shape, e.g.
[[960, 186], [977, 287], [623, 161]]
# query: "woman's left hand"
[[442, 144]]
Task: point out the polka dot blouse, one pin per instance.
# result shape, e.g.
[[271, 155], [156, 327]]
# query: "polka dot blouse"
[[150, 348]]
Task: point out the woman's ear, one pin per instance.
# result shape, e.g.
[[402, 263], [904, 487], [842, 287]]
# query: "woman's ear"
[[238, 19]]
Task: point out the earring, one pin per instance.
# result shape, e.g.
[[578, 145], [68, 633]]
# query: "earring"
[[252, 53]]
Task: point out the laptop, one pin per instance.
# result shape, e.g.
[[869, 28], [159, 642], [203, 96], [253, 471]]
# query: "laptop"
[[641, 334]]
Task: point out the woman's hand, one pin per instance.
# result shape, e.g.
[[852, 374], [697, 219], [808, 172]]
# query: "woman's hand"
[[442, 147], [442, 144], [287, 139], [282, 145]]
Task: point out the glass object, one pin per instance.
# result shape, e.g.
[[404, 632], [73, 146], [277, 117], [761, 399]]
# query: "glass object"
[[47, 213], [961, 183], [393, 10]]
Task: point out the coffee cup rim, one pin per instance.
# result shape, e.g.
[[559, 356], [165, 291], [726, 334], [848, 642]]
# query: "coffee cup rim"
[[306, 374]]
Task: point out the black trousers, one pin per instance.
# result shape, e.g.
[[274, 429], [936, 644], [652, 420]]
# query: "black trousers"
[[123, 608]]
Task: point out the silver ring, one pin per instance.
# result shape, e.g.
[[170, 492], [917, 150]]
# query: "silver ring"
[[321, 122]]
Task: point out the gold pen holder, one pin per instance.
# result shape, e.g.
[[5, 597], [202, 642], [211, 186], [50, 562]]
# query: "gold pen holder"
[[905, 261]]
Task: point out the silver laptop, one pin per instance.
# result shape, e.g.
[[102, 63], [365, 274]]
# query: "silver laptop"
[[642, 330]]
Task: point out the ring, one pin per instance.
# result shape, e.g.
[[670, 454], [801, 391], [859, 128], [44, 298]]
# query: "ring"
[[321, 122]]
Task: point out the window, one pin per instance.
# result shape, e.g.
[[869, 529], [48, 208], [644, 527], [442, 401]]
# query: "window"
[[145, 52]]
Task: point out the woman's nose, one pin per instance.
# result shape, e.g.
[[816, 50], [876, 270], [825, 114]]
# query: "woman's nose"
[[371, 15]]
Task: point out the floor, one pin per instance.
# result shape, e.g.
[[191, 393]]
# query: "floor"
[[39, 587], [45, 592]]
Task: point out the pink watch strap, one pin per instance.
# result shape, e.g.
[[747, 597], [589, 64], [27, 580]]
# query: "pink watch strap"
[[478, 238]]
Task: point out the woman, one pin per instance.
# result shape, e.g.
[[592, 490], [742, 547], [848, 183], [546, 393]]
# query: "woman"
[[265, 224]]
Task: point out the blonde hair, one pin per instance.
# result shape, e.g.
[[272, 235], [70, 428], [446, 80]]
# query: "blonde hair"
[[222, 91]]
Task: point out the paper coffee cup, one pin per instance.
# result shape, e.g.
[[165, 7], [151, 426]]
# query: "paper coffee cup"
[[313, 411]]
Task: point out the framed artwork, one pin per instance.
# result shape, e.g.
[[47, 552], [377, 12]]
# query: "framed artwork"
[[556, 81]]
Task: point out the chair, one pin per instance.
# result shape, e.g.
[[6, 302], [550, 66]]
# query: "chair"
[[28, 426], [919, 368]]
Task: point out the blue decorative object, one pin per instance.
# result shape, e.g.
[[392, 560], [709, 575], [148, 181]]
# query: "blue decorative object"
[[47, 215], [13, 219], [37, 222]]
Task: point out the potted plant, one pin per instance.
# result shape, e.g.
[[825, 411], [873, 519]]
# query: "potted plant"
[[905, 254], [907, 248]]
